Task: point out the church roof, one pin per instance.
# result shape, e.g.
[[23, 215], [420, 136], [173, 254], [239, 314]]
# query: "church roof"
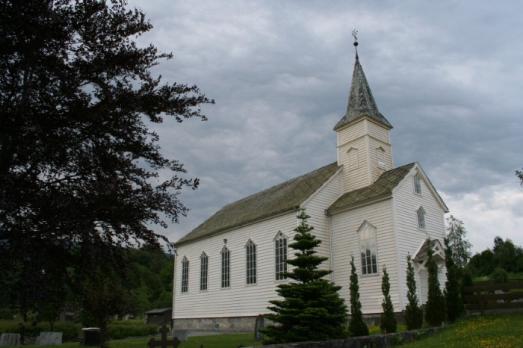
[[278, 199], [381, 188], [361, 102]]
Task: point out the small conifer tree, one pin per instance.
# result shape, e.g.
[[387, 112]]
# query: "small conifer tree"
[[435, 307], [357, 326], [453, 297], [413, 312], [388, 321], [310, 308]]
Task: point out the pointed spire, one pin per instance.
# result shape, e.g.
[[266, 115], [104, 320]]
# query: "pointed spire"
[[361, 102], [355, 36]]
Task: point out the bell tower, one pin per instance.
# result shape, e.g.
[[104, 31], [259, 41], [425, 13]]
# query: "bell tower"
[[362, 134]]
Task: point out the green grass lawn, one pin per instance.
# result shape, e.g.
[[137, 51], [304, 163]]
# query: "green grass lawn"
[[490, 331], [217, 341]]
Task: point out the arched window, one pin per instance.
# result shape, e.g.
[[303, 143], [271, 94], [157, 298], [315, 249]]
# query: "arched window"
[[185, 274], [204, 270], [226, 267], [380, 157], [353, 159], [368, 247], [250, 250], [417, 184], [280, 251], [421, 217]]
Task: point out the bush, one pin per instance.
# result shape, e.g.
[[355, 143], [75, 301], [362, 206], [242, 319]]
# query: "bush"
[[357, 326], [453, 298], [7, 314], [388, 321], [435, 306], [499, 275], [413, 312], [71, 331]]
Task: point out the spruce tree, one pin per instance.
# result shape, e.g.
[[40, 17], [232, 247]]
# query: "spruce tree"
[[388, 321], [413, 312], [310, 308], [453, 298], [357, 326], [435, 307]]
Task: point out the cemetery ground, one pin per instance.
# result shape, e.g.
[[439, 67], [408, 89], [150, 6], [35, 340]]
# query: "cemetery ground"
[[488, 331], [217, 341]]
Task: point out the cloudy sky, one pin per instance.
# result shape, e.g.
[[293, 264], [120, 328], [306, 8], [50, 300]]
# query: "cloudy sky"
[[446, 74]]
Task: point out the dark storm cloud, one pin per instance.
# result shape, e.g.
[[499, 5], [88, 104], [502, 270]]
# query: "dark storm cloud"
[[446, 74]]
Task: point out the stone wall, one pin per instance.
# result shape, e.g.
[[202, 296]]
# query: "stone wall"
[[229, 324], [375, 341], [246, 324]]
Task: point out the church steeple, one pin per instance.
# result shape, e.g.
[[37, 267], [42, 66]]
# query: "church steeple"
[[361, 102], [363, 139]]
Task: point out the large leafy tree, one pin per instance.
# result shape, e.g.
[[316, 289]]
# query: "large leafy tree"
[[504, 255], [413, 312], [79, 167], [507, 255], [310, 308], [457, 241]]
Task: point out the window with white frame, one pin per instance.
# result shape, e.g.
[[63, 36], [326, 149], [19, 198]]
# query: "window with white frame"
[[250, 250], [421, 217], [417, 183], [368, 248], [185, 274], [280, 249], [226, 267], [204, 270]]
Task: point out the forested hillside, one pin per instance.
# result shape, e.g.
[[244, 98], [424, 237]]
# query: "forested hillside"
[[146, 283]]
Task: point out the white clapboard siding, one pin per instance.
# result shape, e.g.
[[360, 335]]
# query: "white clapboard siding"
[[240, 299], [409, 236], [357, 145], [380, 161], [378, 132], [346, 244], [315, 207], [350, 133], [355, 167]]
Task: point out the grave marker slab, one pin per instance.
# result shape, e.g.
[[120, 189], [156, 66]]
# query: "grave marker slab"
[[49, 338], [9, 340]]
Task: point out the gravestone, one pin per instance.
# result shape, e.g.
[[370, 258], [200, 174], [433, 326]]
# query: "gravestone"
[[91, 336], [9, 340], [164, 342], [49, 339], [258, 326], [181, 335]]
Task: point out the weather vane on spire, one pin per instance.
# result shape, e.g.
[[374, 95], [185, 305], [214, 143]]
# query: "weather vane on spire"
[[355, 36]]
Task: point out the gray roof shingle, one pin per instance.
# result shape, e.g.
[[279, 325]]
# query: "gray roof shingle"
[[278, 199], [381, 188], [361, 101]]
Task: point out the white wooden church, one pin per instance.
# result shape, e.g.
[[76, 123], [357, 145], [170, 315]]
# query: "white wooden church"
[[362, 206]]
